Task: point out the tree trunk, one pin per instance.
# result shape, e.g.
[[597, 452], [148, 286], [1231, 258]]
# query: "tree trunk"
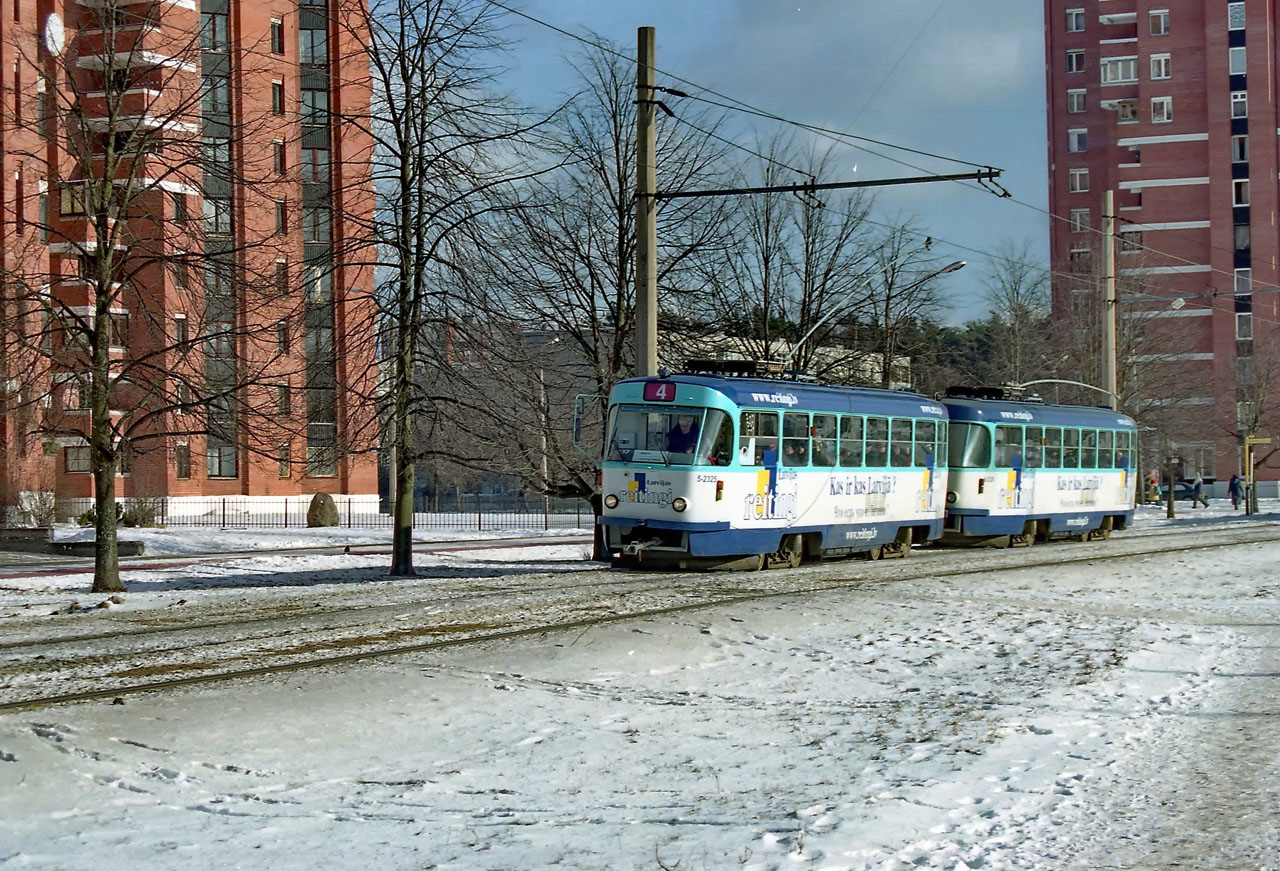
[[106, 555]]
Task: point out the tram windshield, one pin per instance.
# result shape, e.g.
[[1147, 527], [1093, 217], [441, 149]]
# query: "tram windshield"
[[672, 435], [970, 446]]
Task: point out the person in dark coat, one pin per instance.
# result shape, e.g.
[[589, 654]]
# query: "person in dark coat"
[[1197, 492], [683, 437], [1235, 489]]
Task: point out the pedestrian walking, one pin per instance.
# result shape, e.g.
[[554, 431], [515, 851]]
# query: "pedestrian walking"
[[1235, 489], [1197, 492]]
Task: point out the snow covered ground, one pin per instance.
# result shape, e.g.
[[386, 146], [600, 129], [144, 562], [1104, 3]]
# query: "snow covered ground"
[[1112, 714]]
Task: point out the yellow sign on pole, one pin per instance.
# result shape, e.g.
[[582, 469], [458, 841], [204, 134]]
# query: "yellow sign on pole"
[[1249, 442]]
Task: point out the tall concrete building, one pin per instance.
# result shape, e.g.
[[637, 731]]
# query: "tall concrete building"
[[1171, 105], [202, 153]]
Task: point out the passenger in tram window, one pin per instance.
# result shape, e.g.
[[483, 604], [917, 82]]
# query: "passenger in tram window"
[[683, 437]]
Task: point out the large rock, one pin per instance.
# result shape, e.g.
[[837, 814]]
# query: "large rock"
[[322, 511]]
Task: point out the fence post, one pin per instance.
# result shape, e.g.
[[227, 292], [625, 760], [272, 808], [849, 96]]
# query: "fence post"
[[286, 512], [224, 512], [546, 513], [479, 515], [348, 512]]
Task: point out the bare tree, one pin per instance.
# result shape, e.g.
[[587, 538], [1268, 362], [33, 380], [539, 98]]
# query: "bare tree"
[[1017, 291], [444, 142], [551, 315]]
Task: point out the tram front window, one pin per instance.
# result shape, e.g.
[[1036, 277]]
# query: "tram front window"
[[674, 436], [970, 446]]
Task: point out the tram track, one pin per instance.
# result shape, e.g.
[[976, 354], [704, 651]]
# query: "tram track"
[[155, 658]]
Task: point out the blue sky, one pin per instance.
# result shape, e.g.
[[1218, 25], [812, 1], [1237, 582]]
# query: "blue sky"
[[962, 79]]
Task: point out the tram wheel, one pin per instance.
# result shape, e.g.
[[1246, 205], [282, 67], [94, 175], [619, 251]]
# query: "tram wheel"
[[875, 553]]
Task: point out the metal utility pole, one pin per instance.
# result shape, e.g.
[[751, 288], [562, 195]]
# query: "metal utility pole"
[[1109, 296], [646, 209]]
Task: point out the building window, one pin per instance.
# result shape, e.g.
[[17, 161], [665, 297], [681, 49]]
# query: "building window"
[[322, 450], [1077, 140], [282, 277], [1236, 61], [315, 106], [1119, 70], [1127, 112], [76, 460], [1076, 101], [277, 98], [281, 216], [284, 460], [277, 156], [1240, 192], [181, 336], [213, 31], [216, 99], [181, 276], [1077, 180], [1239, 104], [1079, 220], [315, 165], [217, 216], [1075, 60], [1235, 16], [1075, 21], [277, 36], [183, 392], [221, 459], [282, 400], [282, 337], [1244, 328], [179, 208], [1081, 260], [1160, 66], [118, 330], [1243, 281], [1243, 238], [315, 224], [1161, 110], [1239, 149], [1130, 241], [1159, 20], [182, 460], [313, 46]]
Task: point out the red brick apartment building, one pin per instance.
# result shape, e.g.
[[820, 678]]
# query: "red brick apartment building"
[[222, 122], [1172, 105]]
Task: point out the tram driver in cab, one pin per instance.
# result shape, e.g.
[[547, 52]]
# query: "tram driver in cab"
[[683, 437]]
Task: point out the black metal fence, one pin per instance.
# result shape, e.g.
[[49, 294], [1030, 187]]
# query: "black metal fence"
[[476, 514]]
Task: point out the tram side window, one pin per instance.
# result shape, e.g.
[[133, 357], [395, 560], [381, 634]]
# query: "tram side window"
[[877, 442], [900, 442], [824, 440], [717, 439], [1034, 456], [926, 436], [940, 452], [1122, 450], [1008, 447], [795, 438], [1052, 447], [758, 438], [1104, 448], [1070, 448], [969, 446], [850, 441], [1088, 448]]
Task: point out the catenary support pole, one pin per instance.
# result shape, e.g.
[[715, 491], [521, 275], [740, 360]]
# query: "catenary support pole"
[[1109, 313], [646, 325]]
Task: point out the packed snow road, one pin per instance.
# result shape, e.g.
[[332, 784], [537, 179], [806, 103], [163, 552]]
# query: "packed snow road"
[[1113, 712]]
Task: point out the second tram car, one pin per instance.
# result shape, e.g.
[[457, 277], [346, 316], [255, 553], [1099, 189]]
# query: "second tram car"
[[708, 470], [1025, 471]]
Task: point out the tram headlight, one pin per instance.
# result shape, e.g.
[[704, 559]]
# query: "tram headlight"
[[951, 497], [611, 501], [679, 504]]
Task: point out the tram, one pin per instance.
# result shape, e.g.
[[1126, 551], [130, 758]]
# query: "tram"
[[715, 470], [1023, 471]]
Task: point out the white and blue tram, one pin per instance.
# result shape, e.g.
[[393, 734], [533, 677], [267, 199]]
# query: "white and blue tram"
[[1028, 470], [707, 470]]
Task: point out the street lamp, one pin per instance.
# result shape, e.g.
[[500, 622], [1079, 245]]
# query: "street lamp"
[[950, 267]]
